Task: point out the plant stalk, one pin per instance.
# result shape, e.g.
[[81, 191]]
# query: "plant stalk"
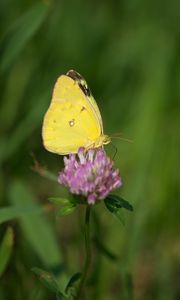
[[88, 252]]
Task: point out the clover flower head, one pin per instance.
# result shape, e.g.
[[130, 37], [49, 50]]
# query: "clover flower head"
[[90, 173]]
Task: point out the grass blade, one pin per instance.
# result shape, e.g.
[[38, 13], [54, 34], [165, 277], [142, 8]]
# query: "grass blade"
[[21, 32], [36, 228], [6, 249]]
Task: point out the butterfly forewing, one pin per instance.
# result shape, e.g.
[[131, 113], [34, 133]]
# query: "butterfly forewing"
[[87, 92], [71, 121]]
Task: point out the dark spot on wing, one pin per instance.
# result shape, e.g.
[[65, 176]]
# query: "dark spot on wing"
[[85, 89], [82, 108], [74, 75]]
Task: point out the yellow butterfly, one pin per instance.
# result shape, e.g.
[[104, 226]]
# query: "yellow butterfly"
[[73, 119]]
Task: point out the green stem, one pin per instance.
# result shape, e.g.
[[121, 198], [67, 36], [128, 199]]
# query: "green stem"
[[88, 252]]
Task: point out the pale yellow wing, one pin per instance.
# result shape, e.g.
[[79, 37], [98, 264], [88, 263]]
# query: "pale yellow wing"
[[86, 90], [71, 121]]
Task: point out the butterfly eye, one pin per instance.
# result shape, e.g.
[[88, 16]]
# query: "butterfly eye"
[[71, 123]]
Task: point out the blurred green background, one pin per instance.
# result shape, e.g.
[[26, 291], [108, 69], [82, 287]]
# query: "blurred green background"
[[128, 51]]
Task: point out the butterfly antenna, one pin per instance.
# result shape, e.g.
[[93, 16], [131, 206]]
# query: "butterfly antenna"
[[119, 137]]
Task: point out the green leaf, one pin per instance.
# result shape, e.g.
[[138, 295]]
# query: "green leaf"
[[60, 201], [6, 249], [71, 288], [114, 202], [66, 210], [48, 280], [36, 228], [22, 31], [67, 206], [10, 212]]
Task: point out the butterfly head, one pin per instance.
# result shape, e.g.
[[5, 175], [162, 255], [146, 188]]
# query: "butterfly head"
[[102, 140], [106, 139]]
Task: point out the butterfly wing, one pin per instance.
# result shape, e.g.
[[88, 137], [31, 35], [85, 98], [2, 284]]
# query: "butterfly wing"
[[86, 91], [71, 121]]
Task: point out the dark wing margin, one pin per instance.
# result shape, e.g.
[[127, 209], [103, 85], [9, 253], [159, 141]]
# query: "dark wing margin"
[[74, 75], [81, 82]]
